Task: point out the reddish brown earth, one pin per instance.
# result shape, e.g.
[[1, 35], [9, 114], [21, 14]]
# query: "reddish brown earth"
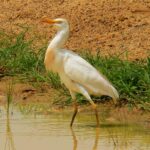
[[113, 26]]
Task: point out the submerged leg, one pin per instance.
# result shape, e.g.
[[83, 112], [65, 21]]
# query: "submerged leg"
[[75, 108], [94, 106]]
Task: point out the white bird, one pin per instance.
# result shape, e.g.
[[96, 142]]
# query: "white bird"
[[76, 73]]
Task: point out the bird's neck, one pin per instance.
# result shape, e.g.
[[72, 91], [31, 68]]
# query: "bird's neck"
[[60, 39], [54, 46]]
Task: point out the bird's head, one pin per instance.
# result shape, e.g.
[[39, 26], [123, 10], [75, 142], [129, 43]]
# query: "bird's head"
[[59, 23]]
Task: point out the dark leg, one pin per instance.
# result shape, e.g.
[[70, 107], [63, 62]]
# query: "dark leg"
[[74, 114]]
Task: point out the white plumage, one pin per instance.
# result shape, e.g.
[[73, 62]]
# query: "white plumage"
[[76, 73]]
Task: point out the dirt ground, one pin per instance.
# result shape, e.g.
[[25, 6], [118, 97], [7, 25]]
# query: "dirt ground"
[[111, 26], [24, 92]]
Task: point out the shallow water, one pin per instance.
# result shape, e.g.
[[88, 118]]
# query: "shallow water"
[[52, 132]]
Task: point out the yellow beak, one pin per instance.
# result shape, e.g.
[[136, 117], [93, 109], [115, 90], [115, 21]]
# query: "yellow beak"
[[49, 21]]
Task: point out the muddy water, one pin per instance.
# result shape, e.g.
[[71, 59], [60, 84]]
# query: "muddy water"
[[52, 132]]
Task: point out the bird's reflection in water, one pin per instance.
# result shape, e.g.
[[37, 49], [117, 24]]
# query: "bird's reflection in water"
[[96, 139], [9, 144], [75, 141]]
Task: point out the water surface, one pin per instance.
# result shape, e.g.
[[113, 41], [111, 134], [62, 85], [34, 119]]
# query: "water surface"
[[52, 132]]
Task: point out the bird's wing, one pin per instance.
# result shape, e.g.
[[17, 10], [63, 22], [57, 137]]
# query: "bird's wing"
[[80, 71]]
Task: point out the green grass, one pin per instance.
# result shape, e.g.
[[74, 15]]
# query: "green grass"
[[18, 58]]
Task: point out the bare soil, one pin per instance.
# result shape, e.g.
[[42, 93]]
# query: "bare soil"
[[24, 92], [111, 26]]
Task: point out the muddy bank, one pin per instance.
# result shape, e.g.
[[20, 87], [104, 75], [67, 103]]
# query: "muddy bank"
[[108, 25], [26, 92]]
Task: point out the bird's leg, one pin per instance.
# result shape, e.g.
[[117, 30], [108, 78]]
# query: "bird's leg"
[[75, 113], [75, 108], [94, 106]]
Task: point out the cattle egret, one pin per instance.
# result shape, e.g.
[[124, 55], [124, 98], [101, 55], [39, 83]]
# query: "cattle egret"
[[76, 73]]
